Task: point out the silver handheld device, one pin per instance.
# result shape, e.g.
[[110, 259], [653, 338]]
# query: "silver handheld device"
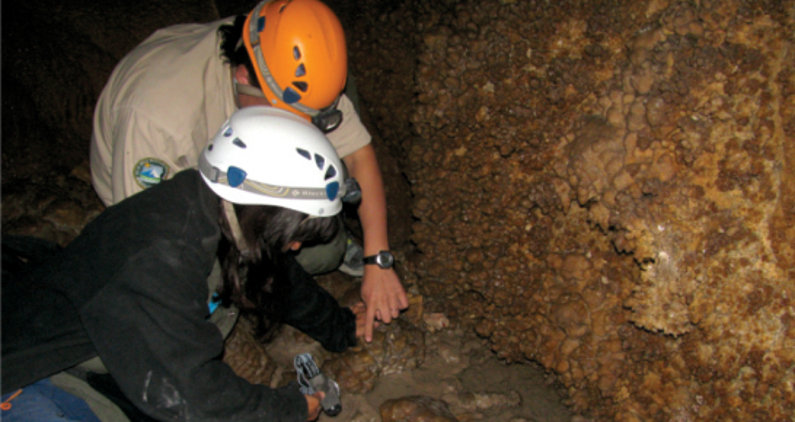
[[312, 380]]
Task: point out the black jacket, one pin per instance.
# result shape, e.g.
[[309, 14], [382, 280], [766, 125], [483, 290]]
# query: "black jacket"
[[132, 289]]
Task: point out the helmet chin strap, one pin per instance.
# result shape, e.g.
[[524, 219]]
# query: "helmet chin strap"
[[248, 90], [228, 210]]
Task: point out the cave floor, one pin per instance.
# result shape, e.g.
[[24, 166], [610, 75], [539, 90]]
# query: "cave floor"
[[484, 390], [456, 368]]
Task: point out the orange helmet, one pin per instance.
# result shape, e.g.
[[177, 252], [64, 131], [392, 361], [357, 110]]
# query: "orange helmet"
[[297, 48]]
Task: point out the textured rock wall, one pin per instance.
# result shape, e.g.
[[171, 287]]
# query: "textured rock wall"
[[381, 39], [606, 188]]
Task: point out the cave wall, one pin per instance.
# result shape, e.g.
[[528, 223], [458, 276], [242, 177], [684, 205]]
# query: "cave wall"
[[606, 188]]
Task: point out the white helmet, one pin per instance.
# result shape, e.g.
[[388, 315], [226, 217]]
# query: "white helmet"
[[266, 156]]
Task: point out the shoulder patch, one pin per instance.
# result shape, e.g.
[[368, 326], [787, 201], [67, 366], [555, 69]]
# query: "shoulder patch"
[[149, 172]]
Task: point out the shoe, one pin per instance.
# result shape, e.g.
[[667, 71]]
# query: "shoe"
[[353, 263]]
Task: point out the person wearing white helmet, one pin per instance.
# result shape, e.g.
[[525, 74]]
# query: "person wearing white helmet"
[[167, 95], [127, 307]]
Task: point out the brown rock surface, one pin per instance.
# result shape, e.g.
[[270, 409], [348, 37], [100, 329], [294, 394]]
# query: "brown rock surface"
[[606, 189], [416, 408]]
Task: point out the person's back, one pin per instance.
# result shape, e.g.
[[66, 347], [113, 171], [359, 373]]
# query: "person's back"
[[160, 105]]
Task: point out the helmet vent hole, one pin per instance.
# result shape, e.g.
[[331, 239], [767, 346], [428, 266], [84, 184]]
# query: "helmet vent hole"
[[296, 53], [210, 147], [239, 143], [304, 153], [235, 176], [300, 85], [332, 189], [300, 70], [320, 161], [331, 172], [290, 96], [261, 24], [228, 131]]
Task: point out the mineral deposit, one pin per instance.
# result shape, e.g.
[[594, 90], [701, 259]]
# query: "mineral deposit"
[[605, 188]]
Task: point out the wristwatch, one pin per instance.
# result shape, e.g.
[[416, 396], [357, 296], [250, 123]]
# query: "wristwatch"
[[383, 259]]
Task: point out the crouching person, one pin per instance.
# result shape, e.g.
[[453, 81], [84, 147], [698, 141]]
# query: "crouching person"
[[130, 294]]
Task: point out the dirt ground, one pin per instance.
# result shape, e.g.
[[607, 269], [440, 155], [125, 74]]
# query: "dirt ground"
[[458, 373], [450, 367], [488, 386]]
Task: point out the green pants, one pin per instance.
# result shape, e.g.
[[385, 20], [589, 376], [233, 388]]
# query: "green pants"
[[326, 257]]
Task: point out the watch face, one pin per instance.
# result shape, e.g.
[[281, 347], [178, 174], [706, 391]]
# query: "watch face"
[[384, 259]]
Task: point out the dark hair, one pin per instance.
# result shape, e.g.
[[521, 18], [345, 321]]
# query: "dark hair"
[[256, 284], [232, 48]]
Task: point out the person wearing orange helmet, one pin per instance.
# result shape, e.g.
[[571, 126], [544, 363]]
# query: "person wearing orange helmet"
[[168, 95]]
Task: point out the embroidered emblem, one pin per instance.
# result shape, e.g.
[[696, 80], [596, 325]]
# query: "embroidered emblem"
[[149, 172]]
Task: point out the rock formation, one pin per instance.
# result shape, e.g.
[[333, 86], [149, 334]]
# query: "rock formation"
[[606, 189]]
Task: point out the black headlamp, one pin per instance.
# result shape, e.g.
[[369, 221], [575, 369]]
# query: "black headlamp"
[[328, 118]]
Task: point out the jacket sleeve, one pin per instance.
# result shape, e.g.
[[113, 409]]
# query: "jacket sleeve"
[[311, 309], [149, 327]]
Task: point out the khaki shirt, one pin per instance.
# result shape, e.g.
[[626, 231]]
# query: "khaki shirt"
[[164, 101]]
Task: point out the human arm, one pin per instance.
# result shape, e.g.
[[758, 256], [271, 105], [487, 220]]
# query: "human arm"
[[381, 290], [312, 310]]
